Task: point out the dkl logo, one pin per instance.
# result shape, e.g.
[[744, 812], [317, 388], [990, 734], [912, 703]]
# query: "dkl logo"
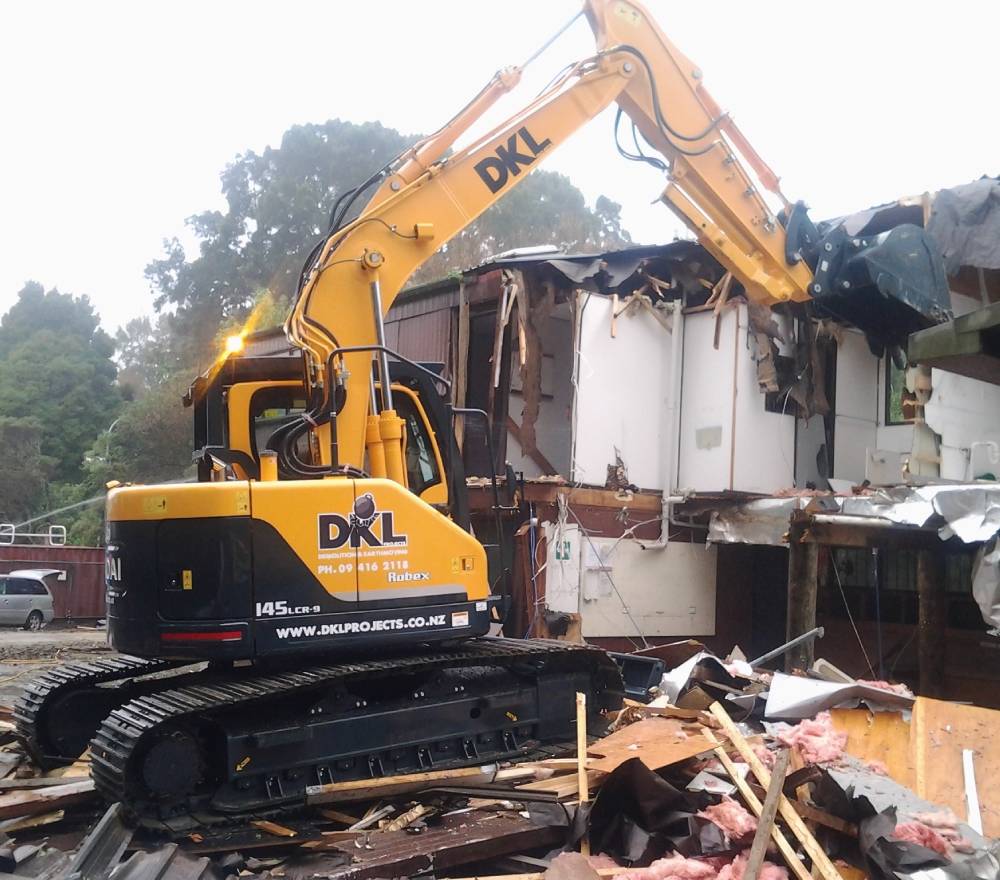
[[335, 530], [495, 170]]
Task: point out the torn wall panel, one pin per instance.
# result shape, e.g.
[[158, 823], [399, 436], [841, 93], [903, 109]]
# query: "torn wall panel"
[[623, 394], [552, 425], [728, 441]]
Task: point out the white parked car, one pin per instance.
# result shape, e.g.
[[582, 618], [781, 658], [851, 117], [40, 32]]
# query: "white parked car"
[[25, 598]]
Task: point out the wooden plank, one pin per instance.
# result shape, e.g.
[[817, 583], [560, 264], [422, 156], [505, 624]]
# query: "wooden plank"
[[274, 828], [31, 782], [565, 787], [821, 862], [878, 736], [9, 826], [45, 800], [639, 502], [821, 817], [582, 782], [459, 840], [369, 789], [337, 816], [814, 814], [658, 742], [939, 732], [765, 822], [784, 847]]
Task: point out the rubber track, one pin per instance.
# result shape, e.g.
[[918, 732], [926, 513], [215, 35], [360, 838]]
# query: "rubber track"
[[39, 692], [123, 731]]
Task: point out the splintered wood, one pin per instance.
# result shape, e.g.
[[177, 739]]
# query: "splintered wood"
[[821, 862], [657, 742]]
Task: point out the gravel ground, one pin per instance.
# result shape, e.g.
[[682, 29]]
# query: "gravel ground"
[[24, 654]]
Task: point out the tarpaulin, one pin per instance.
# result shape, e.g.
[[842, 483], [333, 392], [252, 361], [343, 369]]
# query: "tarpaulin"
[[638, 816], [965, 222]]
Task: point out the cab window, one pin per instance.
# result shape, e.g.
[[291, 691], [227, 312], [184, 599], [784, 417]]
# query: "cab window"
[[270, 408], [421, 465]]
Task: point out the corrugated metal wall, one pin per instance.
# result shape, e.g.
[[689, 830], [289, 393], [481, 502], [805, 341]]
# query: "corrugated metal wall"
[[421, 328], [81, 595]]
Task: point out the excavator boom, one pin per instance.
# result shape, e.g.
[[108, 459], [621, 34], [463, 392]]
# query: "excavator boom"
[[889, 286]]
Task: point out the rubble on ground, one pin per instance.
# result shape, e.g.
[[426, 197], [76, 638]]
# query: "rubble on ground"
[[700, 782]]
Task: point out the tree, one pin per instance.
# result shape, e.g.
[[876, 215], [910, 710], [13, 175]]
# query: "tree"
[[545, 209], [278, 206], [145, 356], [23, 469], [149, 443], [56, 368]]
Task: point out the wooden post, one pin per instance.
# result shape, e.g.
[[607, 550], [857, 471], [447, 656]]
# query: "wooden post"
[[583, 784], [801, 614], [931, 627]]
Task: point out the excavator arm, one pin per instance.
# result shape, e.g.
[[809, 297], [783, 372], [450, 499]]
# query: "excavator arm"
[[426, 196]]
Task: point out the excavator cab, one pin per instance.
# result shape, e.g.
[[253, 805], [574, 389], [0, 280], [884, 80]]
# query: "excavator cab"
[[237, 411]]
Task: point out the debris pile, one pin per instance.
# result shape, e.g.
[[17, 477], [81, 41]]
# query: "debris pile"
[[724, 772]]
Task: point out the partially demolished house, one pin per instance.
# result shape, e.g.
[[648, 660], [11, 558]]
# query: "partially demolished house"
[[668, 443], [677, 463]]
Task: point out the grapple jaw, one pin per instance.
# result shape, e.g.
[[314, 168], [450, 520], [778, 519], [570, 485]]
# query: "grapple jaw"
[[887, 285]]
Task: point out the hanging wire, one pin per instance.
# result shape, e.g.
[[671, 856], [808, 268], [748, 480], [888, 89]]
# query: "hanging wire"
[[607, 574], [850, 617]]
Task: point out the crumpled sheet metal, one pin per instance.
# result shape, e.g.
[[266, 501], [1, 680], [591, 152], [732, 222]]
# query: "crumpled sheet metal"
[[986, 582], [756, 522], [971, 512], [791, 696]]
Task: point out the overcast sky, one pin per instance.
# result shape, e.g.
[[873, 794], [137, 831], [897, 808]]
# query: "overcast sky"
[[118, 117]]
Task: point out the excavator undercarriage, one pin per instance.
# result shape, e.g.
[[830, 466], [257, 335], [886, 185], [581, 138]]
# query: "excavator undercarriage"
[[184, 746]]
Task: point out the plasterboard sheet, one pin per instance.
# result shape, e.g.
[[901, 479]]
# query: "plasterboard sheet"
[[623, 395], [857, 378], [707, 402], [667, 592], [852, 440]]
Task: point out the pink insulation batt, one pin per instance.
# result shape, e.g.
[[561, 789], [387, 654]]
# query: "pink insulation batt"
[[731, 817], [817, 741]]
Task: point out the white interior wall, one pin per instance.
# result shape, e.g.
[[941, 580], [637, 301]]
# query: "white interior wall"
[[553, 431], [727, 439], [966, 414], [857, 407], [623, 394]]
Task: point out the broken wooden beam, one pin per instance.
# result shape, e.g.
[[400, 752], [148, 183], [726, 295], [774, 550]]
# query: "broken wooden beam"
[[45, 800], [821, 862], [459, 840], [752, 801], [388, 786], [765, 822]]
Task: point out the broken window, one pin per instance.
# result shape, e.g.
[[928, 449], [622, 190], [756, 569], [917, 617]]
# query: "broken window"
[[900, 404]]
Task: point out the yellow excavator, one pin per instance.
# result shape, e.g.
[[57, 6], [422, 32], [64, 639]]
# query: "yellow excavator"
[[315, 609]]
